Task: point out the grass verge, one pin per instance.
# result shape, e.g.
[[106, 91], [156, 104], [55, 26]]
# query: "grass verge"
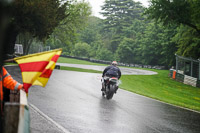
[[10, 63], [162, 88], [75, 61], [79, 69]]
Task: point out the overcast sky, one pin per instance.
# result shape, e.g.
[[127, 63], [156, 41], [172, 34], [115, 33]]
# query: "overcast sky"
[[96, 6]]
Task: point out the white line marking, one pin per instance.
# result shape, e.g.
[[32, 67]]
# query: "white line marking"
[[48, 118]]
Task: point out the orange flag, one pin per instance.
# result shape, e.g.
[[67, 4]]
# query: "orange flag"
[[37, 68]]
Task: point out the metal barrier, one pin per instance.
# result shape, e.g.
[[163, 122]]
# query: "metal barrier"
[[188, 66], [187, 71], [119, 63], [178, 76]]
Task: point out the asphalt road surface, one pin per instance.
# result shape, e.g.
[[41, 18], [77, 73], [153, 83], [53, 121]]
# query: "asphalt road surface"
[[73, 100]]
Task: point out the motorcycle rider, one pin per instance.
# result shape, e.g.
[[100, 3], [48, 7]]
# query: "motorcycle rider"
[[111, 71]]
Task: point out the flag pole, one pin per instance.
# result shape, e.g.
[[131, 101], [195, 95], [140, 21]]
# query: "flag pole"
[[9, 60], [30, 55], [40, 53]]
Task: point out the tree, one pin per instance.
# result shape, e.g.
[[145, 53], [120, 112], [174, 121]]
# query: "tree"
[[104, 54], [38, 17], [81, 50], [186, 15], [118, 15], [188, 42], [26, 40], [157, 47], [91, 32], [67, 31], [178, 12], [125, 51]]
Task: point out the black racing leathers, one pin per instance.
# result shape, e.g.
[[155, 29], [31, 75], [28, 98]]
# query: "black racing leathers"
[[112, 71]]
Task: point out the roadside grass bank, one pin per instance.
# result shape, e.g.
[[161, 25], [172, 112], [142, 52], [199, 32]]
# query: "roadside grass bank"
[[79, 69], [76, 61], [159, 86], [162, 88], [10, 63]]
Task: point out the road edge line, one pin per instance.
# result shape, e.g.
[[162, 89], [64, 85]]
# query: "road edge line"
[[48, 118]]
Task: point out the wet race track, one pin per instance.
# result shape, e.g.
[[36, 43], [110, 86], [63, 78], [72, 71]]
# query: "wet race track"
[[73, 100]]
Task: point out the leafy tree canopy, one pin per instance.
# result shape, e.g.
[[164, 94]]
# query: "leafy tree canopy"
[[186, 12], [188, 42], [35, 17], [120, 12], [38, 17], [67, 31], [81, 50]]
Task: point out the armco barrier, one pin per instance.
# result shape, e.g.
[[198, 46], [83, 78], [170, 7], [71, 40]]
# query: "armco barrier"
[[184, 78], [190, 80], [119, 63], [198, 83], [179, 77], [57, 67]]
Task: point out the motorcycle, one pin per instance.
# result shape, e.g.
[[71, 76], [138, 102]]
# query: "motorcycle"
[[110, 85]]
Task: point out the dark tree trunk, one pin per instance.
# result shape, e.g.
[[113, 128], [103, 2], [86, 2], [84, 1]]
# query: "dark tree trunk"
[[9, 42]]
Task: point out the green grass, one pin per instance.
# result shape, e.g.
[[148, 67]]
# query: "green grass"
[[10, 64], [158, 86], [75, 61], [162, 88], [79, 69]]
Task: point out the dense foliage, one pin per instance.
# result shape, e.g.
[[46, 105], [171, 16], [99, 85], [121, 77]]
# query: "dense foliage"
[[186, 15], [36, 18], [130, 33], [65, 34]]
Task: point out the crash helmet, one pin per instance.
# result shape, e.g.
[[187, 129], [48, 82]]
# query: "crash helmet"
[[114, 63]]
